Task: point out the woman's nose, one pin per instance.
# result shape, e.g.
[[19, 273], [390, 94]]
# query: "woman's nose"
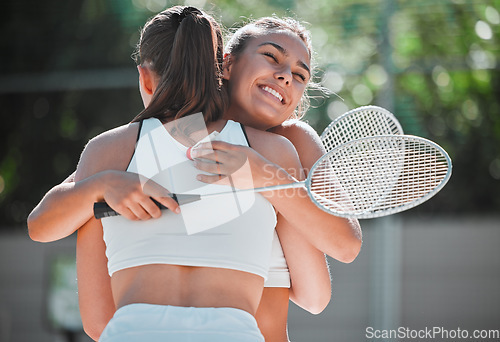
[[284, 75]]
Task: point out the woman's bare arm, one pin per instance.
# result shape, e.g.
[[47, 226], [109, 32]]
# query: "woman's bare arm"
[[309, 273], [338, 237], [67, 206], [307, 265], [94, 284]]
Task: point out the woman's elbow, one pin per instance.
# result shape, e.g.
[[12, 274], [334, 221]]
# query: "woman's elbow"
[[94, 317], [92, 329], [318, 306], [34, 231], [346, 253], [318, 303], [349, 248], [315, 301], [351, 252], [92, 333]]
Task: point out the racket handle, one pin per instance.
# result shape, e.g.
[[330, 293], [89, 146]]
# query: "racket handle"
[[102, 209]]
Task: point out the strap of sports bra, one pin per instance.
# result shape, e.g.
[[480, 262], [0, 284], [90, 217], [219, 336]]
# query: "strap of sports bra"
[[136, 141], [245, 134], [139, 131]]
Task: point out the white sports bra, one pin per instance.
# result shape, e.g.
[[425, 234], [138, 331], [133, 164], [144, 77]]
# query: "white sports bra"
[[233, 231], [279, 275]]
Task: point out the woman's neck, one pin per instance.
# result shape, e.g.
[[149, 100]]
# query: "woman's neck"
[[190, 129], [244, 118]]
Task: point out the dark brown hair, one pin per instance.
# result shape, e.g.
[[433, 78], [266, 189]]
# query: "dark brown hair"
[[238, 41], [183, 46]]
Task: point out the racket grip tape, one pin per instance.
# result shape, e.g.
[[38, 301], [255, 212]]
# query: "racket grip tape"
[[102, 209]]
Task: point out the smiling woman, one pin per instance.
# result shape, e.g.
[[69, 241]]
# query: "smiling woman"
[[268, 80], [267, 68], [268, 74]]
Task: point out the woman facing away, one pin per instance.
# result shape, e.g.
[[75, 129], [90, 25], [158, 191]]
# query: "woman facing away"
[[164, 283], [308, 272]]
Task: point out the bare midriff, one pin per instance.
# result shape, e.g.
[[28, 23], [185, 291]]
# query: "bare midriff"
[[187, 286]]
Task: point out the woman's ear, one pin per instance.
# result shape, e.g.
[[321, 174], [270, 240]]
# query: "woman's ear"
[[147, 84], [226, 66], [146, 80]]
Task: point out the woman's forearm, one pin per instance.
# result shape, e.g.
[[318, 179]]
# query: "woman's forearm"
[[338, 237], [309, 274], [64, 209]]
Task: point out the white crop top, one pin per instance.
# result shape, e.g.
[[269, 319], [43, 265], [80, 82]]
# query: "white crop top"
[[278, 269], [233, 231]]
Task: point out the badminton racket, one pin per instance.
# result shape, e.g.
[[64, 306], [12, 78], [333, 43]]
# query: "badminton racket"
[[358, 123], [369, 177]]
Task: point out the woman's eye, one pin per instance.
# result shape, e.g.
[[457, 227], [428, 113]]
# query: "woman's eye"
[[268, 54], [300, 76]]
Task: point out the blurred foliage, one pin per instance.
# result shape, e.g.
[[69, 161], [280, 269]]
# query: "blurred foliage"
[[66, 75]]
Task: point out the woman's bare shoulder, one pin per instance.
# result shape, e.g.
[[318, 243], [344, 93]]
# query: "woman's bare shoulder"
[[264, 140], [305, 139], [299, 132], [118, 134], [110, 150], [274, 147]]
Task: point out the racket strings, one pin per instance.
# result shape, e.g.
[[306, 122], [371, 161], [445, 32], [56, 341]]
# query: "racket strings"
[[423, 171], [382, 174], [359, 123]]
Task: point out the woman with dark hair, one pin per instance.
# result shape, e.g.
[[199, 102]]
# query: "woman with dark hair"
[[267, 69], [165, 283], [267, 65]]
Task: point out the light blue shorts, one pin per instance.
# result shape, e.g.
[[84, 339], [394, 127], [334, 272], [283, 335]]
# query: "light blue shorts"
[[152, 323]]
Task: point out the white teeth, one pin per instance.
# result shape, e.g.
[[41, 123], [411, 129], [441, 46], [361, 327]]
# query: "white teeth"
[[273, 92]]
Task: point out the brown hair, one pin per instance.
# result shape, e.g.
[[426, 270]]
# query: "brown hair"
[[239, 40], [183, 46]]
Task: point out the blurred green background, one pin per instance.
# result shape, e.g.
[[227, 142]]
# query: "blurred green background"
[[66, 75]]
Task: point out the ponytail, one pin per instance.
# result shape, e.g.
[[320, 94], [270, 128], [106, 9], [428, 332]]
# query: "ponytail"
[[184, 48]]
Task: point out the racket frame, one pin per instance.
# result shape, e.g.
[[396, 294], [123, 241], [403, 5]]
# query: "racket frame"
[[391, 126], [393, 210]]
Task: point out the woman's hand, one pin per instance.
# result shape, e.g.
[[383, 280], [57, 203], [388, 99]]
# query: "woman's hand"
[[235, 165], [131, 196]]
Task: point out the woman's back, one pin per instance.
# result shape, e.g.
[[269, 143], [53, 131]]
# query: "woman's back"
[[163, 283], [226, 239]]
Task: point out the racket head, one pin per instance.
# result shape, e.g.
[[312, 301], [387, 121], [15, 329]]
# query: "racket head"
[[358, 123], [378, 176]]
